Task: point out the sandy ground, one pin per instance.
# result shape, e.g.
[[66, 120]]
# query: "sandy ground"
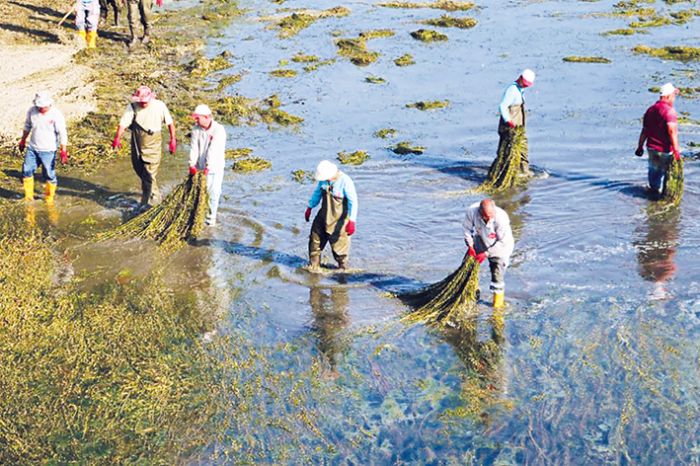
[[26, 69]]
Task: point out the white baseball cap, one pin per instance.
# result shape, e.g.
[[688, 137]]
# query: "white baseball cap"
[[668, 89], [325, 171], [43, 99], [528, 75], [202, 109]]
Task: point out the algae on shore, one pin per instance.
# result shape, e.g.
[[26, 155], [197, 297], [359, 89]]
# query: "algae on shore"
[[447, 21], [292, 24], [405, 60], [579, 59], [353, 158], [238, 110], [428, 35]]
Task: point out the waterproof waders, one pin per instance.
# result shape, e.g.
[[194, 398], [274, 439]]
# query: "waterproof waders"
[[145, 158], [329, 227], [506, 133]]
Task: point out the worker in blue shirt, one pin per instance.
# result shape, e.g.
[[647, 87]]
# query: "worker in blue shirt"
[[335, 221], [512, 111]]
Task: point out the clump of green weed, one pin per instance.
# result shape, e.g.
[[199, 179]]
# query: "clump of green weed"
[[428, 35], [353, 158]]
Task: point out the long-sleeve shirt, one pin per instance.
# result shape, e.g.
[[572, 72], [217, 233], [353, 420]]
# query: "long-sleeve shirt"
[[496, 235], [151, 117], [513, 95], [44, 129], [342, 187], [208, 148]]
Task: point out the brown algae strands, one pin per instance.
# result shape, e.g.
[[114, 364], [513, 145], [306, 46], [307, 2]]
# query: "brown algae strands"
[[446, 21], [429, 104], [353, 158], [672, 52], [448, 301], [437, 5], [292, 24], [179, 218], [506, 170], [580, 59], [428, 35]]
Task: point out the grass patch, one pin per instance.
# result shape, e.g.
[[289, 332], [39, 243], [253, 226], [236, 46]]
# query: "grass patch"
[[353, 158], [446, 21], [406, 148], [405, 60], [674, 52], [446, 5], [356, 51], [579, 59], [429, 104], [428, 35]]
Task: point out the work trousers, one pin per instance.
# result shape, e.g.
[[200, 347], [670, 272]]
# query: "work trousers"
[[143, 9], [86, 18], [497, 265], [658, 169], [47, 159], [214, 182], [319, 238]]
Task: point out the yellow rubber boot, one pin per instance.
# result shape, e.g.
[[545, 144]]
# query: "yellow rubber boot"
[[28, 188], [50, 193], [92, 39], [499, 299], [83, 37]]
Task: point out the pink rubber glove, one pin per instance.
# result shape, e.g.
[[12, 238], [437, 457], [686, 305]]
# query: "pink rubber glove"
[[350, 228], [64, 157], [481, 257], [159, 3], [471, 252], [307, 214], [677, 155], [193, 171], [205, 171], [22, 145], [511, 124], [116, 144], [173, 145]]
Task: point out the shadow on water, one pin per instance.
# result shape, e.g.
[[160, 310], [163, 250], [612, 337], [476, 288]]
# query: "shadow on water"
[[329, 308]]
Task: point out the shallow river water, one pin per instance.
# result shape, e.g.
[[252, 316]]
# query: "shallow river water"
[[596, 358]]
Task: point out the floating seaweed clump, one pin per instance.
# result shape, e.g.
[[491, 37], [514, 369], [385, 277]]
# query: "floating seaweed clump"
[[375, 79], [251, 164], [386, 133], [283, 73], [651, 22], [228, 80], [356, 51], [446, 21], [292, 24], [448, 301], [579, 59], [237, 110], [377, 33], [673, 183], [683, 16], [429, 104], [447, 5], [314, 66], [506, 169], [405, 148], [303, 58], [673, 52], [238, 153], [302, 176], [202, 66], [177, 219], [624, 32], [353, 158], [405, 60], [428, 35]]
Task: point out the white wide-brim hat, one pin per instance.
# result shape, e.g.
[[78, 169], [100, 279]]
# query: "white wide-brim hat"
[[325, 171]]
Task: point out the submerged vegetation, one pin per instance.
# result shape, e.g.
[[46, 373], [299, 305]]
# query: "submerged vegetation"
[[447, 5], [673, 52], [405, 60], [178, 219], [353, 158], [429, 104], [406, 148], [447, 21], [428, 35], [579, 59]]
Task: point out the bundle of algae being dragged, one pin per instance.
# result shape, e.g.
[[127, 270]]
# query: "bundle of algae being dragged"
[[176, 220], [673, 186], [505, 170], [447, 300]]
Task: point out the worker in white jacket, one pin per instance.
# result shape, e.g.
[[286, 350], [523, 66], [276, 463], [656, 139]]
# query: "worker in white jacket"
[[488, 235], [207, 153]]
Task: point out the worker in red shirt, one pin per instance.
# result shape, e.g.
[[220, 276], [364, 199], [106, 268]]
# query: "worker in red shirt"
[[660, 132]]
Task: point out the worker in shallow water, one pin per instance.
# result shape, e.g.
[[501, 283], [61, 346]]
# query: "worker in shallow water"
[[488, 235], [335, 221], [512, 112]]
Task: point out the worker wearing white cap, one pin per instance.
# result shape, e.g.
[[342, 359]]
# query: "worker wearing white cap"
[[335, 221], [46, 128], [660, 132], [512, 111], [207, 153]]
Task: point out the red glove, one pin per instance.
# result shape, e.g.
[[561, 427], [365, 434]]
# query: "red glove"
[[193, 171], [159, 3], [64, 157], [116, 144], [481, 257], [173, 145], [471, 252], [677, 155], [511, 124], [350, 228], [22, 145], [307, 214], [205, 171]]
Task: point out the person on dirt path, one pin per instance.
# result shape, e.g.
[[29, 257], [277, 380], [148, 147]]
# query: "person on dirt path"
[[512, 112], [141, 8], [144, 117], [660, 132], [86, 18], [208, 153], [335, 221], [487, 234], [46, 128]]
